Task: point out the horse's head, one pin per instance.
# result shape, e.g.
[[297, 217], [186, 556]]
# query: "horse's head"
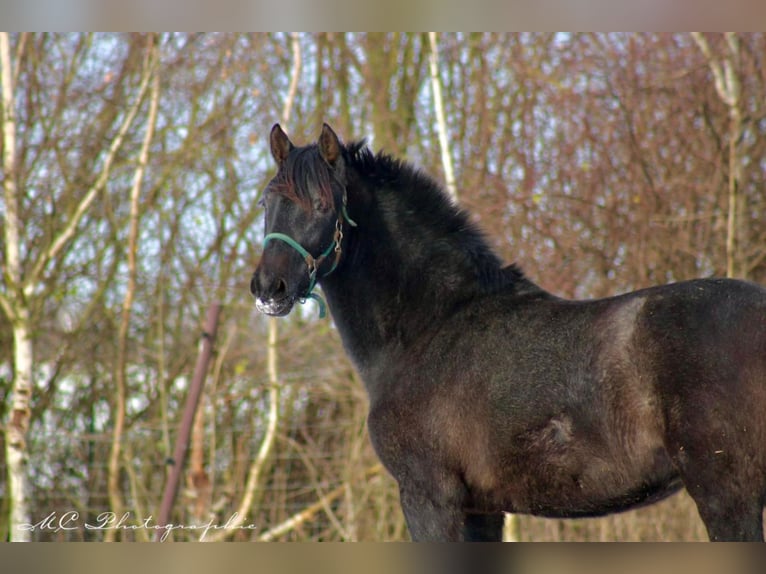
[[303, 206]]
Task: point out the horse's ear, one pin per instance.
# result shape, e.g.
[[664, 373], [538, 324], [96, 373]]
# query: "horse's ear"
[[329, 145], [280, 144]]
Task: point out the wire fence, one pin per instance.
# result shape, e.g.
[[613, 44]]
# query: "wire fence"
[[308, 494]]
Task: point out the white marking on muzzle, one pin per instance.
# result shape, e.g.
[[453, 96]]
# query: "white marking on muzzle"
[[272, 306]]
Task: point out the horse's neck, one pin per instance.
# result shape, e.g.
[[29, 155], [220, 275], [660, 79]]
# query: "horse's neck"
[[391, 287]]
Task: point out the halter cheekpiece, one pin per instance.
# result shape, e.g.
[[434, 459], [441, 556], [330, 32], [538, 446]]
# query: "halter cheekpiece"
[[313, 263]]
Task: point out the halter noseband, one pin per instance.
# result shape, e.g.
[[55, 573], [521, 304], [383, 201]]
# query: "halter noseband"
[[313, 263]]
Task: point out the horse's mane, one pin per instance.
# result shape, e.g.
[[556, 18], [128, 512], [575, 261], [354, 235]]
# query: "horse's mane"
[[436, 209]]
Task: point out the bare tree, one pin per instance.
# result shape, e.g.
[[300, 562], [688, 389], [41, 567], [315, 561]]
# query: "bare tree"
[[29, 281], [727, 84], [257, 468], [150, 78]]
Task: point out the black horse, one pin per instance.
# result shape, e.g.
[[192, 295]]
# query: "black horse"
[[488, 394]]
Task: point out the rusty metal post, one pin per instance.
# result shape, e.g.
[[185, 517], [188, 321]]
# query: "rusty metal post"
[[190, 408]]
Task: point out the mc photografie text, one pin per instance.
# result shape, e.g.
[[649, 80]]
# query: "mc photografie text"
[[71, 520]]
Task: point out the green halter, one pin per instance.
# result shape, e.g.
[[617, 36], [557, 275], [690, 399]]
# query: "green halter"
[[314, 263]]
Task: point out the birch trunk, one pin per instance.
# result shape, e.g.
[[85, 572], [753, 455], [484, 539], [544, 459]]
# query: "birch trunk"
[[16, 307], [16, 452]]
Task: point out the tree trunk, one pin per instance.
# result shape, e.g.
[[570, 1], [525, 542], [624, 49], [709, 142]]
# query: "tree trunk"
[[15, 306], [16, 453]]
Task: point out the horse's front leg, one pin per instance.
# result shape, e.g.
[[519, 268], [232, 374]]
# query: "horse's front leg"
[[432, 518], [431, 515]]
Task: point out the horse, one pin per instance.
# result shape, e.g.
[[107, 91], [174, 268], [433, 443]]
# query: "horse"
[[488, 394]]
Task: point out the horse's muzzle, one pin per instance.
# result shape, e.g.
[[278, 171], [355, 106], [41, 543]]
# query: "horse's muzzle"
[[275, 307], [271, 296]]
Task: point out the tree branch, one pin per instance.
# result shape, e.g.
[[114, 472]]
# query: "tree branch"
[[115, 497], [69, 231], [308, 512], [259, 464], [720, 77], [12, 269], [433, 60], [294, 77]]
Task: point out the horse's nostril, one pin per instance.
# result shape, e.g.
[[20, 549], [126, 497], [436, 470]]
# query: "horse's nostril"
[[267, 287]]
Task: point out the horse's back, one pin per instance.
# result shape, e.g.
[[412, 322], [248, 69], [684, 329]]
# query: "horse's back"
[[707, 337]]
